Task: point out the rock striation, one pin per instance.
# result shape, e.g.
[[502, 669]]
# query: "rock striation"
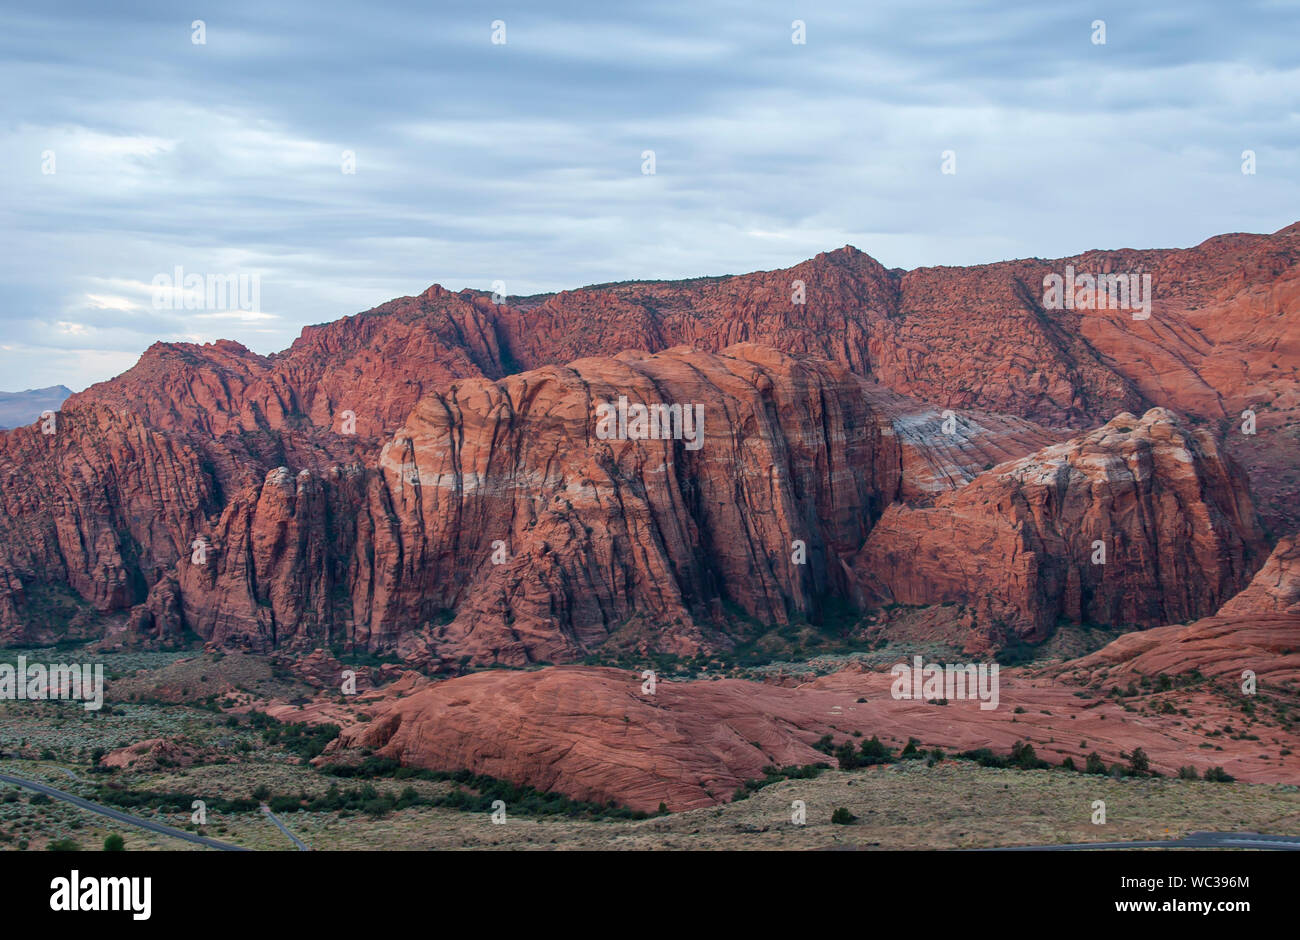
[[1139, 523], [290, 467]]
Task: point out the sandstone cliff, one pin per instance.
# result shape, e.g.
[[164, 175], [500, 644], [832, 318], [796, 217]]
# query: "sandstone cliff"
[[499, 526], [189, 444], [1140, 523], [1258, 630]]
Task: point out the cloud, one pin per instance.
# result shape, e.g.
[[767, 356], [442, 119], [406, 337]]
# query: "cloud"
[[110, 302], [521, 162]]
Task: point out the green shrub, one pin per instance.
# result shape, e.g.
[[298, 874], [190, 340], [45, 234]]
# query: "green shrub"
[[874, 752], [842, 817], [378, 807], [1024, 758], [772, 775], [304, 740]]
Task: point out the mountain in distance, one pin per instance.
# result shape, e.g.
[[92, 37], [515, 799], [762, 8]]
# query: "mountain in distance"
[[21, 408]]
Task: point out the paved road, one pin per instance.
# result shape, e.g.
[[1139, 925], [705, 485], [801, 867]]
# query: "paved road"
[[1194, 840], [118, 814], [302, 846]]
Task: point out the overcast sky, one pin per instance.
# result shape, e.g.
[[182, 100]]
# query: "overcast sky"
[[522, 162]]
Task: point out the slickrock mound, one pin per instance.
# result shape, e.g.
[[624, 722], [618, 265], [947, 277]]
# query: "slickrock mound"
[[155, 754], [593, 734], [499, 501], [1258, 630], [1020, 542]]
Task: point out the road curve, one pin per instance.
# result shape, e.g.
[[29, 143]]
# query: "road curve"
[[119, 815]]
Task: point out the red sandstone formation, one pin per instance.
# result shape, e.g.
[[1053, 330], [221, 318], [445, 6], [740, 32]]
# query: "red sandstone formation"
[[1258, 630], [322, 671], [156, 754], [599, 734], [592, 733], [1024, 542], [943, 449], [189, 443], [497, 501], [100, 509]]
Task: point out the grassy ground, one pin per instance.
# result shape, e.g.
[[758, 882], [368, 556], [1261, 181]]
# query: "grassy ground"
[[953, 804]]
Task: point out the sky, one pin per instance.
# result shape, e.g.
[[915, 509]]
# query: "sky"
[[129, 149]]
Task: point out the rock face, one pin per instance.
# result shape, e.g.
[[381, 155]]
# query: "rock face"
[[102, 507], [500, 502], [943, 450], [1258, 630], [290, 467], [1222, 318], [1142, 522]]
